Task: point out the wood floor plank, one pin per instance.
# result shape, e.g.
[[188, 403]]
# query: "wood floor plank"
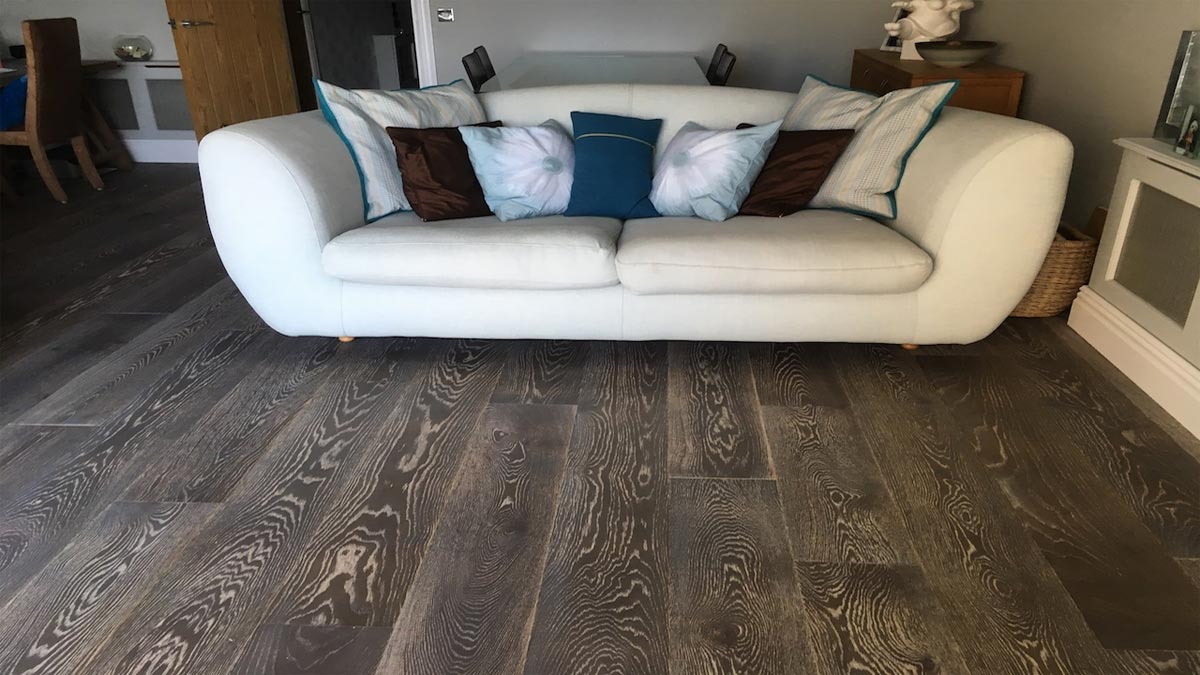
[[795, 375], [366, 548], [223, 445], [96, 394], [837, 506], [716, 428], [734, 602], [470, 606], [1154, 476], [120, 288], [546, 372], [604, 598], [1005, 607], [25, 453], [871, 618], [198, 617], [73, 605], [327, 650], [32, 379], [1129, 589], [37, 283], [51, 510]]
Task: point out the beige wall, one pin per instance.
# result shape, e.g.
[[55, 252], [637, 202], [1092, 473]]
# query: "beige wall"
[[1097, 71]]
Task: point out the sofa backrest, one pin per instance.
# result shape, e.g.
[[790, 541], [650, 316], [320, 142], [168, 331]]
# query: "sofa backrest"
[[714, 107]]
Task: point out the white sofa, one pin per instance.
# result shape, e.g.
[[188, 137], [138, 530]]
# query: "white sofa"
[[978, 207]]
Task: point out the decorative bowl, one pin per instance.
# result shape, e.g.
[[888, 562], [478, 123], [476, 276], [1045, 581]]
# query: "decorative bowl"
[[954, 53], [133, 48]]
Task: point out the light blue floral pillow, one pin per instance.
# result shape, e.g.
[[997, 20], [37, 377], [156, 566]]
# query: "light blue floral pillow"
[[708, 173], [525, 172]]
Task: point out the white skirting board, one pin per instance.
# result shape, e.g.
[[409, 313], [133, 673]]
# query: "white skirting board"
[[1164, 375], [163, 151]]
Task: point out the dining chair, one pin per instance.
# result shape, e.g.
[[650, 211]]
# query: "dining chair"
[[721, 77], [488, 68], [476, 72], [719, 52], [54, 105]]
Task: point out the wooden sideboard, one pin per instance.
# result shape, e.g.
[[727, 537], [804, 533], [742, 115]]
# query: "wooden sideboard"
[[983, 86]]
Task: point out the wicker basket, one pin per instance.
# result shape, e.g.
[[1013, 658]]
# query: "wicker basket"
[[1067, 267]]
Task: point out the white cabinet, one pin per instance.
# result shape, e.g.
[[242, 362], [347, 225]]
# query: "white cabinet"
[[1141, 308]]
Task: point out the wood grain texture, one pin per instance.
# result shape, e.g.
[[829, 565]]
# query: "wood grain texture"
[[837, 506], [349, 483], [471, 603], [716, 429], [364, 552], [95, 394], [543, 372], [53, 508], [78, 599], [319, 650], [998, 599], [795, 375], [1133, 595], [39, 374], [869, 618], [1153, 475], [603, 604], [196, 617], [223, 445], [734, 603]]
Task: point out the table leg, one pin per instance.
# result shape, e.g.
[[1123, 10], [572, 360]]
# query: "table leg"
[[111, 147]]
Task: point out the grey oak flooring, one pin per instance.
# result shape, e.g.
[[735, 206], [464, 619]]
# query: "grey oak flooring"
[[184, 491]]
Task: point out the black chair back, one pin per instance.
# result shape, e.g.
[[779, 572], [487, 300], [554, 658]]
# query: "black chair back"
[[476, 72], [488, 68], [715, 63], [721, 77]]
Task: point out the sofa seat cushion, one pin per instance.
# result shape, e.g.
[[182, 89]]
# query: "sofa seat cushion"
[[542, 253], [808, 252]]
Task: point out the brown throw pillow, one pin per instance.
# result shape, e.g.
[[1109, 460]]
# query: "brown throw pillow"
[[439, 180], [795, 170]]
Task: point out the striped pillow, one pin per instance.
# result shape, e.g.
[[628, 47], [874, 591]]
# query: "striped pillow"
[[361, 117], [887, 130]]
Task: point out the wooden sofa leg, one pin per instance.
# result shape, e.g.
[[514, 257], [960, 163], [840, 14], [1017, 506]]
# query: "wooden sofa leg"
[[910, 346], [345, 338]]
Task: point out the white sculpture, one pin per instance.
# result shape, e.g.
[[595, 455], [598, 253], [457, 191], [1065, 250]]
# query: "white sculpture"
[[927, 20]]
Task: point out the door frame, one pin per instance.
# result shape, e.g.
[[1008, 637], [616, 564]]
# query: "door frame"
[[423, 38]]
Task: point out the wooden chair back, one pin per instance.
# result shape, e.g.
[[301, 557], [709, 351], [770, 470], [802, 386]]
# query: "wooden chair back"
[[54, 108]]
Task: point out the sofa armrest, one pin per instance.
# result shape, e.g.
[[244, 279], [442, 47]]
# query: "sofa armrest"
[[276, 191], [983, 195]]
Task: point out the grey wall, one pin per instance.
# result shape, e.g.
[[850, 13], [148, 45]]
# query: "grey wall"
[[1097, 68], [100, 22], [777, 43]]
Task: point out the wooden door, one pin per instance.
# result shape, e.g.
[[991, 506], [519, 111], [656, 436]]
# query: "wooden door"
[[235, 58]]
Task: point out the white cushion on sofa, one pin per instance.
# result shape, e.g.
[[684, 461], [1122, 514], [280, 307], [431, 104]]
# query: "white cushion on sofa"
[[545, 253], [809, 252]]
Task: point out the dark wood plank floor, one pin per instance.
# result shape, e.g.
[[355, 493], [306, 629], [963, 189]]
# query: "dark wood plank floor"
[[184, 491]]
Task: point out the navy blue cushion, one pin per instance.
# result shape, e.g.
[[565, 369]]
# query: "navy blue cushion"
[[614, 166]]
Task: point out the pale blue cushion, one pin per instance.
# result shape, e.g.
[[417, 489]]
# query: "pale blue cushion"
[[887, 129], [525, 172], [708, 173]]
